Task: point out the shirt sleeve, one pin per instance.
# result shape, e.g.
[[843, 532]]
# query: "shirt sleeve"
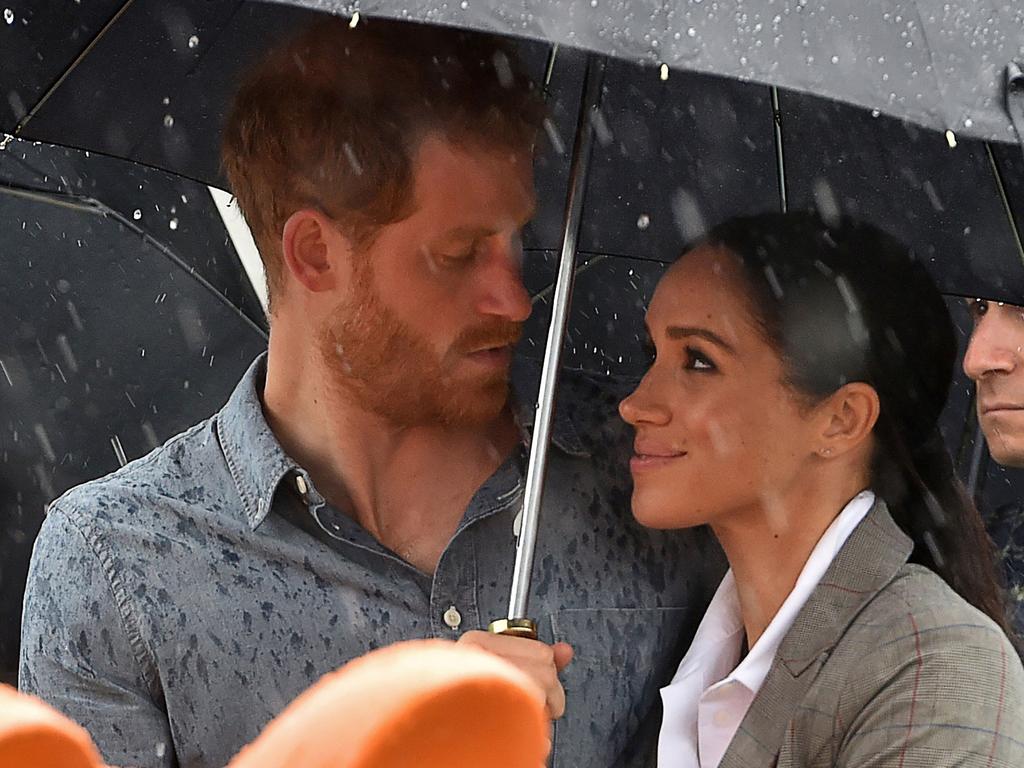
[[80, 650], [943, 697]]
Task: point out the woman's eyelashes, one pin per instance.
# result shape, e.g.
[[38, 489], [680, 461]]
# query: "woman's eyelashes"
[[695, 360]]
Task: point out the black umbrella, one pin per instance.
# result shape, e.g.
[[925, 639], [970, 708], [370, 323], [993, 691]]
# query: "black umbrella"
[[128, 319], [673, 151]]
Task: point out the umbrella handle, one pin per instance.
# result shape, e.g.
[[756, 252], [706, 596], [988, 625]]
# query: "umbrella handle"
[[514, 628]]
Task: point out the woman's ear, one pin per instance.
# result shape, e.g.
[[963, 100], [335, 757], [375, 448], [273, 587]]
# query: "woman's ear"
[[315, 253], [849, 416]]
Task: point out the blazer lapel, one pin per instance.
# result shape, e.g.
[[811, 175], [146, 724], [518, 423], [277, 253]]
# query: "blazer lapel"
[[867, 562]]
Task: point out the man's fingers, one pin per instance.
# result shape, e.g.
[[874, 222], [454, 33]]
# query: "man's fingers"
[[563, 655], [541, 662]]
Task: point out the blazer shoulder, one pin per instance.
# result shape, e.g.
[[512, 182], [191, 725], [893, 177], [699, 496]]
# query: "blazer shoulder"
[[919, 622]]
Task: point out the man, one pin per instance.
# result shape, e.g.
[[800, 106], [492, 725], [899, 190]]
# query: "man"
[[361, 485], [995, 362]]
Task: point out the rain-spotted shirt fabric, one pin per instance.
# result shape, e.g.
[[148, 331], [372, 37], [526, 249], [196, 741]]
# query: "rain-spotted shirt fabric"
[[176, 606]]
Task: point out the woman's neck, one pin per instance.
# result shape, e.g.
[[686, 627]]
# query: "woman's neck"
[[769, 545]]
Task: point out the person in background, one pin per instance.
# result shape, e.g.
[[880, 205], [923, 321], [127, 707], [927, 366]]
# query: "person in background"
[[994, 361], [800, 370], [361, 485]]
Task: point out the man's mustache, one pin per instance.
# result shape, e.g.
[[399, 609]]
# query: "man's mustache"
[[498, 333]]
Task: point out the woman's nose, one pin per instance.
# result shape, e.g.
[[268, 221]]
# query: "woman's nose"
[[641, 407]]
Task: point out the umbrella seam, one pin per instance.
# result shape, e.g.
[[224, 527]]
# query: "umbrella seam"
[[99, 208], [67, 72]]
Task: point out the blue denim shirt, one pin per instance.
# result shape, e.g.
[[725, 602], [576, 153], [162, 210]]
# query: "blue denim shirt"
[[176, 606]]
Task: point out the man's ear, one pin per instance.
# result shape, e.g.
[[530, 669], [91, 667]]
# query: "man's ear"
[[315, 253], [849, 417]]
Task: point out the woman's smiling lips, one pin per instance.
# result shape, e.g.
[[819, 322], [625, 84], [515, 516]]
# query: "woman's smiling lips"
[[651, 456]]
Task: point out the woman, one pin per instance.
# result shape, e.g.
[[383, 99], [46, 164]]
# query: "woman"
[[793, 403]]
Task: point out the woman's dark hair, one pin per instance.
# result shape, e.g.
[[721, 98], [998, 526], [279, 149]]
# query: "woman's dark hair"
[[843, 301]]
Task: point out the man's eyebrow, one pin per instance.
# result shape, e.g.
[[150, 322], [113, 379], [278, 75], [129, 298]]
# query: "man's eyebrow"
[[683, 331]]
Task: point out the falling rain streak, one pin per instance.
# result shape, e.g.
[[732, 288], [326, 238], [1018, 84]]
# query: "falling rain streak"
[[115, 443]]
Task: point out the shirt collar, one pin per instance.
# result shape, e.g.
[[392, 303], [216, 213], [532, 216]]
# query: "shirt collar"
[[716, 645], [258, 463]]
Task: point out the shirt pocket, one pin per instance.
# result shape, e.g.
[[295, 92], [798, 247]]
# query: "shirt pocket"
[[623, 658]]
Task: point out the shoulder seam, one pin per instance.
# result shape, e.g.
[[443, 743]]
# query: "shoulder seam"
[[143, 656]]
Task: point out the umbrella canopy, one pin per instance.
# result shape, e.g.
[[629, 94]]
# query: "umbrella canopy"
[[671, 154], [122, 330], [942, 65]]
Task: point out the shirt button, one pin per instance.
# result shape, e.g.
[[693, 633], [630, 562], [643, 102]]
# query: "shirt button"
[[452, 617], [721, 718]]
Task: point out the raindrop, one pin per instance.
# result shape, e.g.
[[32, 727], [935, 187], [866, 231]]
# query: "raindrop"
[[464, 4], [193, 41], [168, 121], [643, 222], [664, 72], [167, 100], [355, 20], [875, 112], [556, 141], [8, 15], [968, 123], [173, 224], [835, 59], [601, 129], [137, 214], [826, 203], [115, 443], [951, 139], [691, 32], [503, 69], [44, 442], [63, 286]]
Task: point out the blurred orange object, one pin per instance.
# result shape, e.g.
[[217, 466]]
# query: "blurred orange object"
[[34, 735], [419, 703]]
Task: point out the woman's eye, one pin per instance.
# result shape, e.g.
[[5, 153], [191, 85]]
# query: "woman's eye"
[[697, 361]]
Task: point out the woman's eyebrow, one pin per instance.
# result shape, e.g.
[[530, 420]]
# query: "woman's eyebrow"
[[684, 331]]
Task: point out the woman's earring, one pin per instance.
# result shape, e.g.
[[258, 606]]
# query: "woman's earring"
[[825, 451]]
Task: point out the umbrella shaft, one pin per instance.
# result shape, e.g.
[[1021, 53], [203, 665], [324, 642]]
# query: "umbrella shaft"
[[532, 496]]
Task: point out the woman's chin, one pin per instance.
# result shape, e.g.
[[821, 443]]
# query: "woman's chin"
[[663, 514]]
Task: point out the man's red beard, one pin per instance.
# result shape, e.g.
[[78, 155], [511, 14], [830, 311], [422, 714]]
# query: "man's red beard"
[[394, 372]]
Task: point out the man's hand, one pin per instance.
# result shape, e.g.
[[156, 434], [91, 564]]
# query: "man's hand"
[[540, 661]]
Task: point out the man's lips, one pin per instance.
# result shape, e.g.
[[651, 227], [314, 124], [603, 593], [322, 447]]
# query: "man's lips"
[[995, 408], [492, 356]]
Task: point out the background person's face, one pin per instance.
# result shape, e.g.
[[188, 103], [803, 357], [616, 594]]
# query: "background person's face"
[[717, 432], [425, 333], [994, 360]]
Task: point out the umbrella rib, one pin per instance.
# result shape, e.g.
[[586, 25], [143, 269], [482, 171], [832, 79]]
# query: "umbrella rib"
[[780, 159], [78, 60], [99, 208], [1006, 201]]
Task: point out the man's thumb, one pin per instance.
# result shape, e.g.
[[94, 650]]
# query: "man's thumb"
[[563, 655]]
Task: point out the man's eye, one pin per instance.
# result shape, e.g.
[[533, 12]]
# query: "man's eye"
[[697, 360], [978, 308]]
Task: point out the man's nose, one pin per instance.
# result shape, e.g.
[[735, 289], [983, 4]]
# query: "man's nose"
[[642, 407], [502, 293], [990, 350]]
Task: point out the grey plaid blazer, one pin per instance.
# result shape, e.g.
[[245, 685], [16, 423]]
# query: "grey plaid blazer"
[[886, 667]]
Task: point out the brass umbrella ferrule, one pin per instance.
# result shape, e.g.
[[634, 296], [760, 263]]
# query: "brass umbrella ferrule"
[[514, 628]]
